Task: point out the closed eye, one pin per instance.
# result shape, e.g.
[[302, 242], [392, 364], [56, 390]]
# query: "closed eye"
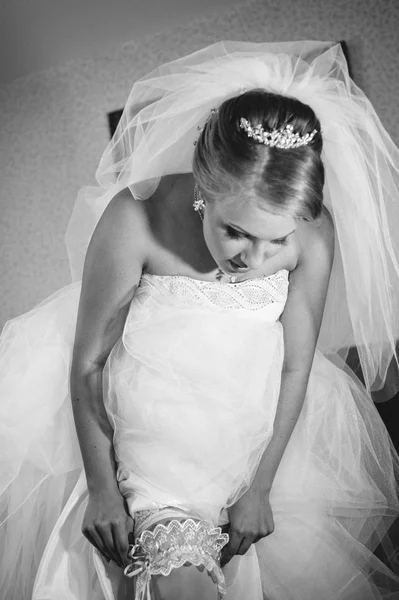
[[234, 234]]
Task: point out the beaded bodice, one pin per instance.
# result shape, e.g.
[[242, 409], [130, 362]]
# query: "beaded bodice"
[[251, 295]]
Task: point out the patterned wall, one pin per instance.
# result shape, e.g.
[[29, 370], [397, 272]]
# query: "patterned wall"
[[54, 127]]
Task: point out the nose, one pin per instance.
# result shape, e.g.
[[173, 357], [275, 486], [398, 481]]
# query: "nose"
[[255, 256]]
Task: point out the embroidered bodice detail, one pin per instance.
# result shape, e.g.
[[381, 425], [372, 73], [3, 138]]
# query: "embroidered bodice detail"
[[250, 294]]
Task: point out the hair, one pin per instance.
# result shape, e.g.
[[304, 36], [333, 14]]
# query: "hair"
[[227, 162]]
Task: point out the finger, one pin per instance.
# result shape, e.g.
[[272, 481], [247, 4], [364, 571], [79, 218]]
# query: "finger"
[[261, 537], [245, 545], [121, 543], [130, 535], [97, 544], [267, 532], [225, 528], [107, 542], [231, 547], [201, 568]]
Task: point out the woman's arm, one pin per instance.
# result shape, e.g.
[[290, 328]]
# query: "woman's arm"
[[251, 517], [301, 322], [112, 270]]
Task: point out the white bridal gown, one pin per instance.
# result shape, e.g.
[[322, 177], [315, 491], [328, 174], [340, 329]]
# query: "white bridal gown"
[[191, 389]]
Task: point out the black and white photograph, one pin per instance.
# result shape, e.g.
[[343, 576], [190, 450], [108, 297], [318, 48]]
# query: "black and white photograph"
[[199, 302]]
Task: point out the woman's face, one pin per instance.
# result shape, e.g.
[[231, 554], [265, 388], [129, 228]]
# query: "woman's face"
[[241, 235]]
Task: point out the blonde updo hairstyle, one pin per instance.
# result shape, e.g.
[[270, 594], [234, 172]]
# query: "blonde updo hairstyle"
[[227, 162]]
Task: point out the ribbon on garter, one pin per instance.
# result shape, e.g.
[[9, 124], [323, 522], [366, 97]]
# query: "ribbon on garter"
[[140, 565]]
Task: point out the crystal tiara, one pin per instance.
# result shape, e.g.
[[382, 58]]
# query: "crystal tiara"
[[284, 138]]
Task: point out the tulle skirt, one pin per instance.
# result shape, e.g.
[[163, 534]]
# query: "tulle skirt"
[[333, 499]]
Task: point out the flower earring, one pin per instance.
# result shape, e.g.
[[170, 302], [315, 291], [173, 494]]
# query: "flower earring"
[[198, 204]]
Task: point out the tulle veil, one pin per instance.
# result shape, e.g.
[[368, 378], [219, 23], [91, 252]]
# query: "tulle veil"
[[40, 459]]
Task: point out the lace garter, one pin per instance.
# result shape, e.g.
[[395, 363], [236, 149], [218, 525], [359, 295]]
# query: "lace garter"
[[170, 547]]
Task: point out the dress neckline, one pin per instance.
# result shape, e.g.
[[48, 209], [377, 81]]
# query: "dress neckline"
[[205, 281]]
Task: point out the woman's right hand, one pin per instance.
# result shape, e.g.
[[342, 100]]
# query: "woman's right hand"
[[107, 524]]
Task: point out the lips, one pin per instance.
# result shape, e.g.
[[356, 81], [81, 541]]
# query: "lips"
[[238, 267]]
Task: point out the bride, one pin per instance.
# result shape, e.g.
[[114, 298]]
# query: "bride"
[[180, 422]]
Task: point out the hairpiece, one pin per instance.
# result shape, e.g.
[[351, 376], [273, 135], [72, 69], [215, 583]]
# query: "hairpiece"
[[284, 138]]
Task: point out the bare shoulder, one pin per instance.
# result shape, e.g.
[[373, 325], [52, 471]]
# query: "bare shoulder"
[[123, 217], [121, 233], [112, 271], [310, 279], [114, 259], [317, 243]]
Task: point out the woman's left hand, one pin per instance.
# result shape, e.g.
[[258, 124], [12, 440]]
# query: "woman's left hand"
[[251, 519]]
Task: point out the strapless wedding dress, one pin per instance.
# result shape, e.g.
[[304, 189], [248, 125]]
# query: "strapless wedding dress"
[[191, 389]]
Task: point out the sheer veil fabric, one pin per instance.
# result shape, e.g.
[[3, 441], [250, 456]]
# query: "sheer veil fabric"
[[155, 137], [40, 461]]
